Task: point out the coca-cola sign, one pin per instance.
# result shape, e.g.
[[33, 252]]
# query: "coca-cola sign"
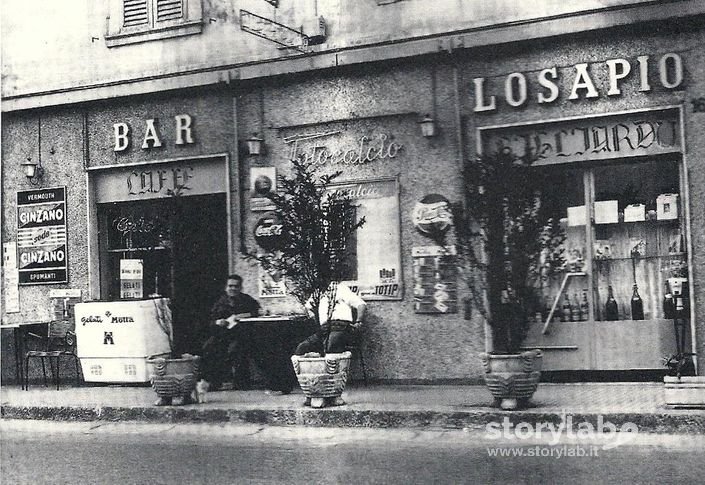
[[432, 215], [268, 232]]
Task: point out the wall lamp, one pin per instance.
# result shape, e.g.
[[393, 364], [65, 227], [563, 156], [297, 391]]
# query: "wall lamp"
[[33, 171], [255, 145], [428, 126]]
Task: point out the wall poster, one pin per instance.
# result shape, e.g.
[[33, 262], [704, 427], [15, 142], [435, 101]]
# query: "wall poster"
[[435, 279], [131, 278], [11, 277], [271, 283], [41, 236], [263, 181], [375, 256]]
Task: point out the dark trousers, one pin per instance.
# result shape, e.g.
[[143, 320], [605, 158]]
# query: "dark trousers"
[[335, 334], [225, 357]]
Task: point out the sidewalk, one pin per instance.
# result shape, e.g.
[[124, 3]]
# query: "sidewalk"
[[411, 406]]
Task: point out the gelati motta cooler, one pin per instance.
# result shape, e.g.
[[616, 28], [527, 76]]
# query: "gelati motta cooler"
[[115, 338]]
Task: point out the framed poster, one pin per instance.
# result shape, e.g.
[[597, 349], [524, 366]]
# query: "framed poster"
[[263, 181], [435, 279], [131, 278], [41, 236], [374, 255], [271, 283], [11, 277]]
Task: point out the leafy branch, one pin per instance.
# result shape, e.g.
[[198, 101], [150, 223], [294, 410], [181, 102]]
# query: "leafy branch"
[[317, 223]]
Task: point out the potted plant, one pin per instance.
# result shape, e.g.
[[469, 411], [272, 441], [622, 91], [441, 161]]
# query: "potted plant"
[[316, 224], [171, 376], [509, 242]]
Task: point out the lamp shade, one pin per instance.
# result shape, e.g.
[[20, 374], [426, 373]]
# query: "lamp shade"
[[428, 126], [254, 145], [30, 168]]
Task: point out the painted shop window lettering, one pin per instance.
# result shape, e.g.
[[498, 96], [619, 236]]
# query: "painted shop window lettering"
[[158, 180], [585, 83], [648, 133]]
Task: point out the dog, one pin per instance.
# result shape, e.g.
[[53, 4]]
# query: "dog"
[[199, 394]]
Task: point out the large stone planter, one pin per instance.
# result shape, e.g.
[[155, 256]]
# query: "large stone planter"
[[173, 378], [512, 378], [322, 379], [684, 392]]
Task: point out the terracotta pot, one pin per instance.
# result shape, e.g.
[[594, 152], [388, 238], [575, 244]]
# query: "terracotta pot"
[[322, 379], [172, 377], [512, 378]]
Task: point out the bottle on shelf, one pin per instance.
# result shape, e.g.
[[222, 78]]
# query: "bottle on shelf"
[[584, 307], [566, 314], [669, 305], [637, 305], [575, 308], [611, 308]]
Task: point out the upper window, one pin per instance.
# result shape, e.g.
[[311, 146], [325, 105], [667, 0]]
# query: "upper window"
[[133, 21]]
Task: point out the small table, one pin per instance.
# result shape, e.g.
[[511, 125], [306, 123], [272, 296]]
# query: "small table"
[[20, 332], [274, 338]]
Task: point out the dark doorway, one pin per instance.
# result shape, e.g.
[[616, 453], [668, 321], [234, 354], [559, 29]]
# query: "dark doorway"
[[200, 265], [182, 242]]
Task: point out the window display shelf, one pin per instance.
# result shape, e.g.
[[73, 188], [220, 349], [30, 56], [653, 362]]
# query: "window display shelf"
[[557, 300], [656, 256], [135, 250]]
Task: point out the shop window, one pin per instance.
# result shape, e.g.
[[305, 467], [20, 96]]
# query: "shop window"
[[624, 237], [136, 231], [133, 21]]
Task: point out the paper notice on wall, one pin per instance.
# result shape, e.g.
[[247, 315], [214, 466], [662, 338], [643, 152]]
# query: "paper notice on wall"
[[263, 182], [11, 277], [271, 283], [131, 277], [576, 216]]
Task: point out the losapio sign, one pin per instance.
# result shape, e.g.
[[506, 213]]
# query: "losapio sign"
[[268, 232], [579, 81]]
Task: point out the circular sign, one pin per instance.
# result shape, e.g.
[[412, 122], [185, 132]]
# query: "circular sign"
[[432, 215], [268, 232], [263, 185]]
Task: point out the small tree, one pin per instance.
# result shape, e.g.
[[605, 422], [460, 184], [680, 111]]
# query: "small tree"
[[508, 240], [317, 223]]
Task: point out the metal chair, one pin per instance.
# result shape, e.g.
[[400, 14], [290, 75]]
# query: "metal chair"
[[354, 346], [60, 340]]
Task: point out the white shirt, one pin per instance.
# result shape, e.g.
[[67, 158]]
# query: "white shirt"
[[345, 301]]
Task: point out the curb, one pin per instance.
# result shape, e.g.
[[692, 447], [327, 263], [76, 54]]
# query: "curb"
[[681, 423]]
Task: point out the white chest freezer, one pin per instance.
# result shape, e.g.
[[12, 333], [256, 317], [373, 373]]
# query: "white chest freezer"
[[114, 338]]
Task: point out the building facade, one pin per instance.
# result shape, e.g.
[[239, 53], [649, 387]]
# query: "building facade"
[[142, 125]]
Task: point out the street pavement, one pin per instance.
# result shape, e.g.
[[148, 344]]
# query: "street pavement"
[[382, 406], [40, 452]]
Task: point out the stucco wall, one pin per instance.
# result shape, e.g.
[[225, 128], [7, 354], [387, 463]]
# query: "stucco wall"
[[399, 343]]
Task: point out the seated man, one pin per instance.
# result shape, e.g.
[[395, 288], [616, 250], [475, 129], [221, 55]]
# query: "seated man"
[[340, 312], [226, 346]]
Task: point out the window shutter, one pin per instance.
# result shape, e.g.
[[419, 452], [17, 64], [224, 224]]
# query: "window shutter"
[[169, 10], [134, 12]]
